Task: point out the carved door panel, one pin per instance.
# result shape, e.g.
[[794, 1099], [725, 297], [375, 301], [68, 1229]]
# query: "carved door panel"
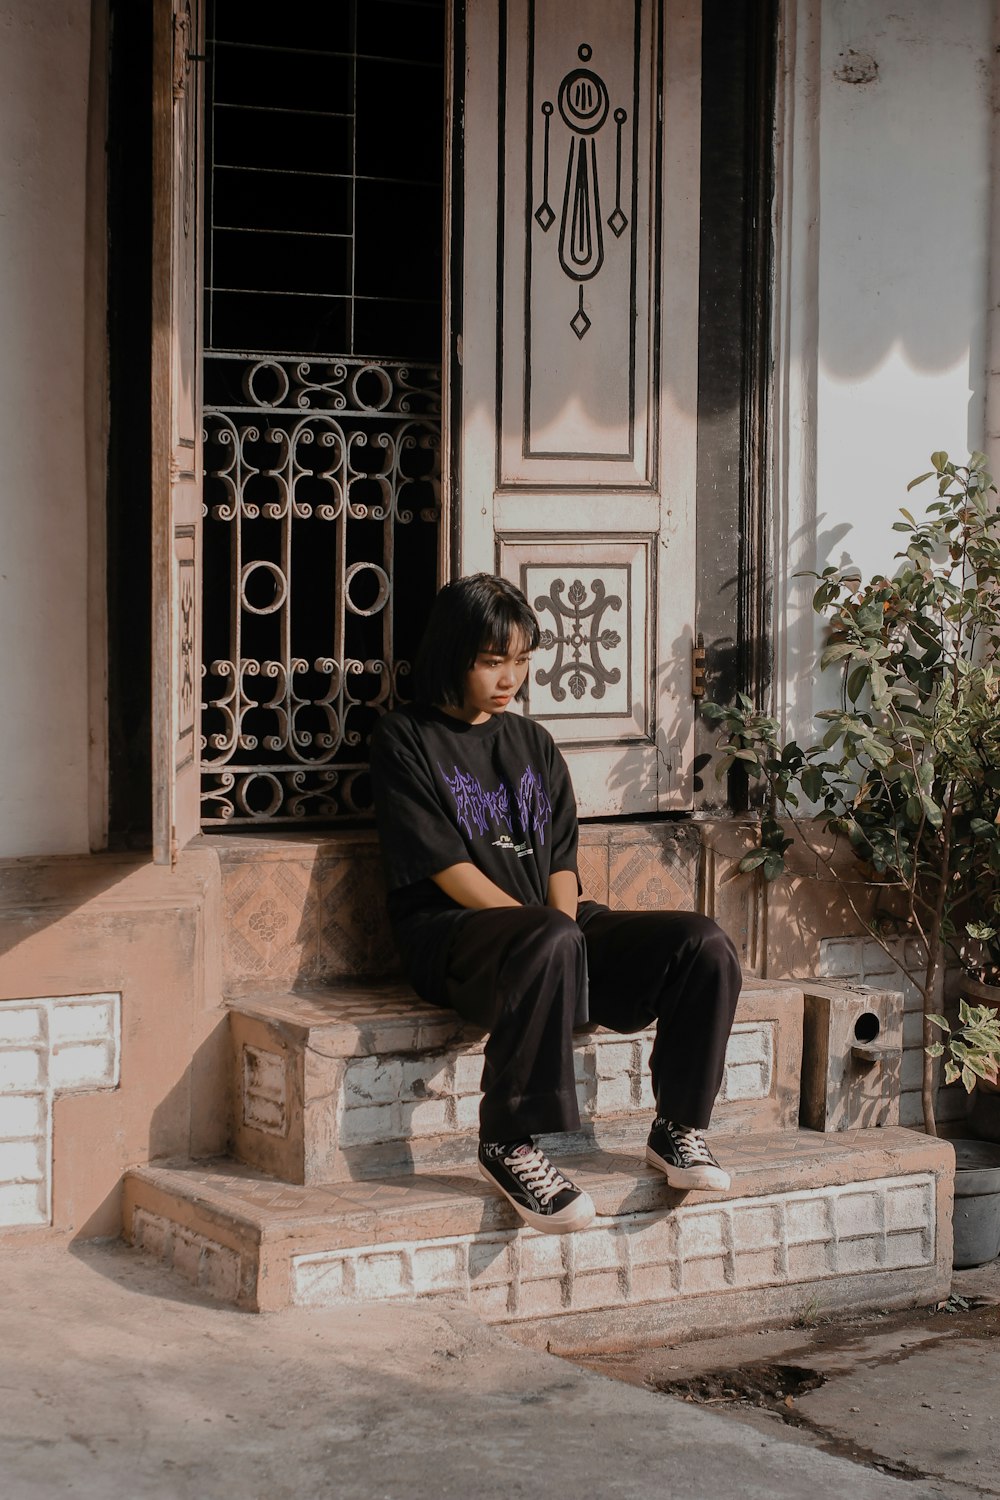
[[578, 355], [176, 423]]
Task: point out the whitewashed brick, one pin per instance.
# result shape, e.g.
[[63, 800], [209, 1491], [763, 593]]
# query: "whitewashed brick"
[[22, 1070], [21, 1023], [858, 1213], [467, 1112], [23, 1203], [83, 1065], [491, 1260], [810, 1262], [374, 1123], [651, 1240], [491, 1303], [440, 1267], [381, 1273], [852, 1257], [613, 1095], [911, 1248], [90, 1019], [840, 957], [756, 1225], [748, 1044], [428, 1076], [370, 1080], [541, 1256], [539, 1299], [708, 1275], [22, 1115], [598, 1289], [427, 1117], [745, 1081], [703, 1233], [614, 1058], [153, 1234], [597, 1249], [318, 1280], [468, 1072], [758, 1267], [524, 1274], [219, 1272], [265, 1090], [909, 1207], [808, 1219], [22, 1161]]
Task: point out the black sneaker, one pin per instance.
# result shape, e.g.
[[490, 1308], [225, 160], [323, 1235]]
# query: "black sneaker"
[[682, 1153], [544, 1198]]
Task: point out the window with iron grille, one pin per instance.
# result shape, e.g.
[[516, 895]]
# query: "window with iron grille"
[[322, 392]]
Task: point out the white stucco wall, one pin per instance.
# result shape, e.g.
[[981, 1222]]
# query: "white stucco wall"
[[884, 159], [44, 666]]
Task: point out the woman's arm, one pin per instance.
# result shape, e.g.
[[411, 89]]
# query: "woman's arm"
[[467, 885], [562, 892]]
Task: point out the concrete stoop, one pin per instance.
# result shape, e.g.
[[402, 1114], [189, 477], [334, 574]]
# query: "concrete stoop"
[[367, 1080], [859, 1219]]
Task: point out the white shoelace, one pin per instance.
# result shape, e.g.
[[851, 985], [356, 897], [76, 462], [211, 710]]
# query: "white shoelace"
[[538, 1174], [691, 1144]]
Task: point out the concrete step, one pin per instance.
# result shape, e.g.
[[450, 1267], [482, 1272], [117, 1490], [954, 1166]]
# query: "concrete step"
[[859, 1219], [360, 1080]]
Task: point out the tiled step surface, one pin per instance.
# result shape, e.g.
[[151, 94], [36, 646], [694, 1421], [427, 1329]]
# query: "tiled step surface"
[[339, 1083], [862, 1218]]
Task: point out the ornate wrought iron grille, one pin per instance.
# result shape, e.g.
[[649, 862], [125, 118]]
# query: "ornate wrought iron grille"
[[322, 488], [322, 493]]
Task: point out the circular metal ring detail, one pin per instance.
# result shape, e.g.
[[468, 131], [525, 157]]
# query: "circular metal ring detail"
[[381, 598], [374, 372], [277, 793], [274, 369], [583, 101], [280, 582]]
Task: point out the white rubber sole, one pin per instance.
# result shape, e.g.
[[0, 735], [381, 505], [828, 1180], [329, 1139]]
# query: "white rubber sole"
[[578, 1215], [704, 1179]]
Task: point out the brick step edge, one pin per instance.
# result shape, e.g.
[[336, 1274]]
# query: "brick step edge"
[[870, 1206], [313, 1105]]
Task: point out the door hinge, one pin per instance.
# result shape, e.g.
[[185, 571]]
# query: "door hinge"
[[698, 667]]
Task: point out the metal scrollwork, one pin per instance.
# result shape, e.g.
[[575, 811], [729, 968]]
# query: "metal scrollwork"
[[578, 630], [312, 465], [583, 103]]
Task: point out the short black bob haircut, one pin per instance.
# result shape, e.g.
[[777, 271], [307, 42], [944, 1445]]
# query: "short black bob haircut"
[[469, 615]]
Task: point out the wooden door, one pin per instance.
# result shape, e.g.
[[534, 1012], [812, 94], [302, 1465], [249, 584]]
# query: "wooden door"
[[577, 185], [176, 422]]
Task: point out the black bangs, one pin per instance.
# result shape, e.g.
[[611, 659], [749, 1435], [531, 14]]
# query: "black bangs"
[[470, 615]]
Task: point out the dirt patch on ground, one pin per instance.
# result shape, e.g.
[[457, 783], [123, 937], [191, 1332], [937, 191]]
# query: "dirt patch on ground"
[[768, 1387]]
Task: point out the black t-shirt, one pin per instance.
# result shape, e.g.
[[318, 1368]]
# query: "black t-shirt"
[[497, 795]]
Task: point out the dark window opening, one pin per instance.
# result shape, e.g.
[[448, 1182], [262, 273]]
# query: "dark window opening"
[[323, 281]]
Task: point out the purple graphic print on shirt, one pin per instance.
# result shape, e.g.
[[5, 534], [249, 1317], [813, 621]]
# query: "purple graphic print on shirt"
[[476, 808]]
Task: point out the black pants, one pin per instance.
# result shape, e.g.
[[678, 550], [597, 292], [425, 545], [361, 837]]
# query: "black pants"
[[522, 974]]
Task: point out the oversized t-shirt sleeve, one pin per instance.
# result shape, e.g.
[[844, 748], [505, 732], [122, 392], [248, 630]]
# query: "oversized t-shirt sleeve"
[[417, 837], [565, 830]]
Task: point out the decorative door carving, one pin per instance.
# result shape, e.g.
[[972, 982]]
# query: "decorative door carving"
[[176, 424], [578, 369]]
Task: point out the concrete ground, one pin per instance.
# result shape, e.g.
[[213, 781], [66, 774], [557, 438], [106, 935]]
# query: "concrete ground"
[[117, 1383], [916, 1394]]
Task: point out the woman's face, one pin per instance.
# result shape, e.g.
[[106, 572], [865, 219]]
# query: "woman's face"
[[493, 680]]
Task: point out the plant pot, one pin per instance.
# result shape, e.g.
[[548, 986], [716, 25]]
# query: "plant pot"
[[977, 1203]]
